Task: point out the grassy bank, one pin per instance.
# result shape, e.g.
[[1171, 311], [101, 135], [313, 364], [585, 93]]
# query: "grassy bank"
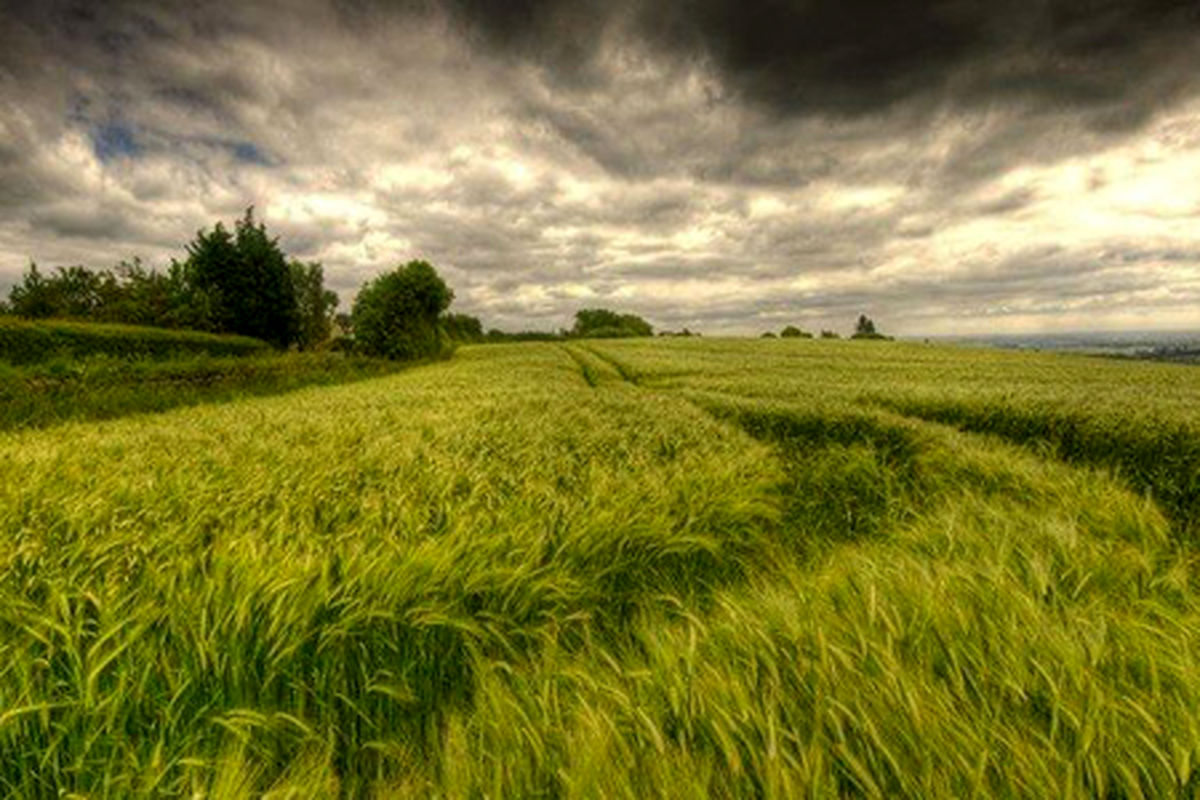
[[57, 391], [35, 341]]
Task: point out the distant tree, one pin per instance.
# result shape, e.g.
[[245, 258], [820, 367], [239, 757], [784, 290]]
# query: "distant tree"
[[792, 332], [865, 329], [396, 315], [246, 280], [314, 304], [497, 335], [830, 335], [601, 323], [463, 327], [768, 335], [344, 323]]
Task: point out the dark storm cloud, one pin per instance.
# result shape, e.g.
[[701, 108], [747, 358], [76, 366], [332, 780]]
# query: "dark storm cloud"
[[855, 56]]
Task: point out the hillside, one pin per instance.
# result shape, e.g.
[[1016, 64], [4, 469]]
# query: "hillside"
[[629, 568]]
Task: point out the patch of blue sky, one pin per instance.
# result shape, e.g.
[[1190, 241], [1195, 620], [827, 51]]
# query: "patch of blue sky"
[[114, 140]]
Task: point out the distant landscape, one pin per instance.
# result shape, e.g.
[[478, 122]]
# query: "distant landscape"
[[1166, 345]]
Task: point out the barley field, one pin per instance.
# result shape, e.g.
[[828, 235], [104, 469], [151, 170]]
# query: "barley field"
[[637, 568]]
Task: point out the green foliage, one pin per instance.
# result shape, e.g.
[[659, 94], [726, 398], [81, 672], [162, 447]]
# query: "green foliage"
[[28, 342], [128, 294], [825, 334], [792, 332], [67, 390], [397, 315], [463, 328], [315, 305], [234, 283], [247, 280], [601, 323], [497, 335]]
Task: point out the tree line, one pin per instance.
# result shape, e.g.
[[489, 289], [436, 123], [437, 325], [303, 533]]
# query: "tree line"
[[237, 281], [240, 281]]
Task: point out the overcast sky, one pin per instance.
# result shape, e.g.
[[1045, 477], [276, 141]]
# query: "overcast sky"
[[963, 166]]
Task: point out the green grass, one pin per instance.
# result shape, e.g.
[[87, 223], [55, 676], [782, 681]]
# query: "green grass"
[[35, 341], [635, 568], [66, 390]]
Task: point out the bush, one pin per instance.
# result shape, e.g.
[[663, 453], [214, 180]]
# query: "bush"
[[600, 323], [792, 332], [29, 342], [463, 327], [396, 315]]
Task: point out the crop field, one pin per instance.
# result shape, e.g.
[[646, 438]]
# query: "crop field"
[[623, 568]]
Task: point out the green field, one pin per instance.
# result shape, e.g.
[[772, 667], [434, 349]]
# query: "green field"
[[635, 568]]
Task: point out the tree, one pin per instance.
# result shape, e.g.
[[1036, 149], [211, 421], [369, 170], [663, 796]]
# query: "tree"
[[247, 281], [830, 335], [396, 314], [792, 332], [314, 304], [601, 323], [865, 329], [34, 296], [463, 327]]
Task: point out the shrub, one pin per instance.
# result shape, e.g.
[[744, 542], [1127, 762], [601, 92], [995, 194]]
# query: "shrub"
[[601, 323], [792, 332], [396, 315], [463, 327]]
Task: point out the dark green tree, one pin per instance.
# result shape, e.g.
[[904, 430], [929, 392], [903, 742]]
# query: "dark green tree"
[[865, 329], [315, 304], [35, 296], [463, 327], [792, 332], [396, 315], [246, 280]]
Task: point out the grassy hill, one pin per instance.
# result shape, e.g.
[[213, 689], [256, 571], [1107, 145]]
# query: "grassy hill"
[[629, 568]]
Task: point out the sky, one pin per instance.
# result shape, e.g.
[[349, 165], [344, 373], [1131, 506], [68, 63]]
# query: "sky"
[[951, 167]]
